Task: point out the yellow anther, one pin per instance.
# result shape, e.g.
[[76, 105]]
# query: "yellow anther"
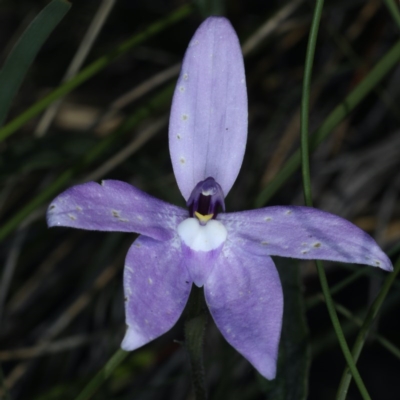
[[203, 218]]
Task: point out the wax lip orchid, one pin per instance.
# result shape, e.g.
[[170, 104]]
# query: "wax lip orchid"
[[227, 253]]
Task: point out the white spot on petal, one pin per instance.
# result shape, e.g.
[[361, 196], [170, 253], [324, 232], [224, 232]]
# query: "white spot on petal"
[[178, 137], [182, 160], [150, 281], [268, 219], [71, 216], [182, 88], [185, 77], [185, 117]]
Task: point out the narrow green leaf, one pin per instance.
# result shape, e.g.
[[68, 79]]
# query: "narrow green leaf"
[[25, 51], [294, 352]]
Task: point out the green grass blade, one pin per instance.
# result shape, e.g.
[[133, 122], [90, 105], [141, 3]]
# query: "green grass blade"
[[160, 99], [393, 10], [383, 67], [25, 51], [305, 166], [93, 69], [91, 388], [374, 335], [362, 334]]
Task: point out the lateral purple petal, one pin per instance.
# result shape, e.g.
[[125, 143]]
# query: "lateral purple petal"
[[114, 206], [244, 295], [156, 286], [208, 123], [303, 232]]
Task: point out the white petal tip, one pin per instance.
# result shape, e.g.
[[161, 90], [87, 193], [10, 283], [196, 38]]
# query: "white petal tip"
[[267, 367], [133, 340]]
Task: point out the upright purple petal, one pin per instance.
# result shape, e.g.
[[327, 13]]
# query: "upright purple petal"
[[208, 124], [244, 295], [114, 206], [156, 286], [303, 232]]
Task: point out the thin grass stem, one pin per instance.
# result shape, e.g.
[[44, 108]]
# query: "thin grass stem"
[[308, 194], [91, 388], [362, 335]]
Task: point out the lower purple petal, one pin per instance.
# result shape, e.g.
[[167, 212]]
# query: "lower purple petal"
[[244, 295], [305, 233], [157, 287], [114, 206]]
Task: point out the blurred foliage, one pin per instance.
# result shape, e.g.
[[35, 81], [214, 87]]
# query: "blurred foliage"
[[61, 301]]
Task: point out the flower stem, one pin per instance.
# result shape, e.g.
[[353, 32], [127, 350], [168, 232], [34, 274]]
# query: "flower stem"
[[308, 195], [194, 340]]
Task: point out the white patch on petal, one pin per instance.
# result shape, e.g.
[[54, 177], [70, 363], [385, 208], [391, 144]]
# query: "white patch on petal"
[[202, 237], [133, 339]]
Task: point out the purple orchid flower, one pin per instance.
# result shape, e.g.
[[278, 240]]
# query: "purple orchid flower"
[[227, 253]]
